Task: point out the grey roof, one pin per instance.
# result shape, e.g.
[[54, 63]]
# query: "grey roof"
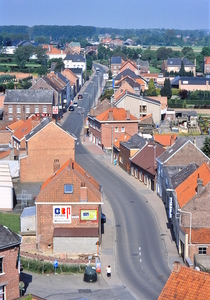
[[63, 78], [190, 80], [131, 82], [76, 70], [36, 129], [178, 178], [8, 238], [51, 83], [28, 212], [29, 96], [177, 62], [143, 63], [127, 72], [135, 141], [180, 142], [187, 113], [116, 60], [75, 58]]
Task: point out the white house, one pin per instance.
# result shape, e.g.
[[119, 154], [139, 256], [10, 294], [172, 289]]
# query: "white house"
[[75, 61]]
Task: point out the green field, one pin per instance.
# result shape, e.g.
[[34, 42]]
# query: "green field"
[[10, 220], [15, 65]]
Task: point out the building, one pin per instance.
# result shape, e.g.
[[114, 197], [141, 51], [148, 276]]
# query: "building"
[[191, 83], [68, 212], [206, 65], [9, 272], [47, 147], [20, 104], [174, 65], [107, 127], [116, 62], [75, 61]]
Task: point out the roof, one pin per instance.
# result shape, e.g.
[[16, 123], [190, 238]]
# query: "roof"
[[124, 137], [52, 189], [127, 72], [188, 188], [179, 177], [129, 80], [165, 139], [76, 70], [198, 235], [8, 238], [26, 127], [15, 125], [186, 283], [116, 60], [29, 96], [62, 77], [135, 141], [180, 142], [119, 114], [74, 58], [139, 98], [177, 62], [145, 158], [28, 212], [75, 232], [190, 80], [146, 120]]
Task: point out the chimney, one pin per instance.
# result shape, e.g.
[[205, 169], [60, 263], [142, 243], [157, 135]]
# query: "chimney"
[[199, 186], [110, 118], [194, 141], [128, 115], [56, 165], [176, 266], [83, 192]]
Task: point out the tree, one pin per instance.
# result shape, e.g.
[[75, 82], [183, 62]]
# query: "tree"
[[182, 69], [22, 55], [151, 89], [205, 51], [183, 94], [166, 89], [206, 146], [41, 53], [163, 53], [41, 70]]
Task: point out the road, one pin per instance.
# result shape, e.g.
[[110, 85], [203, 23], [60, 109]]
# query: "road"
[[141, 262]]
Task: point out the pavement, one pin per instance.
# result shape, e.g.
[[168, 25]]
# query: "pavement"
[[104, 288]]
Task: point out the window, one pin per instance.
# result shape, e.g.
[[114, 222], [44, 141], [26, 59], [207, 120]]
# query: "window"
[[202, 250], [44, 109], [2, 292], [116, 129], [122, 129], [18, 109], [136, 173], [36, 109], [1, 265], [15, 144], [145, 179], [115, 67], [132, 171], [68, 188], [10, 110], [140, 176], [121, 159], [28, 109]]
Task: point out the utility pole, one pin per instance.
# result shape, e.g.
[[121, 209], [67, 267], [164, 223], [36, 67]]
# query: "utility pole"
[[112, 145]]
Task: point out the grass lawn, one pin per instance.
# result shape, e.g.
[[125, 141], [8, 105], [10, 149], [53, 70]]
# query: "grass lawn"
[[15, 65], [10, 220], [154, 70]]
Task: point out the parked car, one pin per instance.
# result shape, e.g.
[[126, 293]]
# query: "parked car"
[[71, 108], [103, 218], [79, 96], [75, 104]]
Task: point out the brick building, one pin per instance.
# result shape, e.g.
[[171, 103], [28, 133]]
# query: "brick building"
[[20, 104], [9, 273], [48, 146], [107, 127], [68, 212]]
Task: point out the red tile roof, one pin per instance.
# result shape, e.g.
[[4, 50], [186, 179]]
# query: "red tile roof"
[[124, 137], [119, 114], [26, 127], [198, 235], [15, 125], [186, 284], [4, 154], [165, 139], [188, 188]]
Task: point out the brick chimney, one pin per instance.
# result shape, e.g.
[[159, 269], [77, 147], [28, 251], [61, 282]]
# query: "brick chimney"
[[176, 266], [83, 192], [128, 115], [56, 166], [199, 186], [110, 118]]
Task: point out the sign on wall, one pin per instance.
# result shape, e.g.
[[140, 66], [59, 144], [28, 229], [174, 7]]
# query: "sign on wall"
[[61, 214], [55, 110], [88, 215]]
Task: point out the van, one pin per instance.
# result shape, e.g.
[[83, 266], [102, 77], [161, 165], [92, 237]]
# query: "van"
[[97, 69]]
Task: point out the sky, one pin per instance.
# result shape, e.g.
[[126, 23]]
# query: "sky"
[[122, 14]]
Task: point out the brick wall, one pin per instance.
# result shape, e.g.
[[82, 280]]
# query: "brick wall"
[[49, 144], [11, 276], [124, 156]]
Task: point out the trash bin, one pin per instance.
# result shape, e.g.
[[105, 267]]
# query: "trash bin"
[[115, 162], [90, 274]]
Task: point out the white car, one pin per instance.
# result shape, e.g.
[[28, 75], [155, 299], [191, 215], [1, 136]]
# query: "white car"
[[75, 104]]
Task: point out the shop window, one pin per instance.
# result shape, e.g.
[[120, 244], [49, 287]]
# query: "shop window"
[[68, 188]]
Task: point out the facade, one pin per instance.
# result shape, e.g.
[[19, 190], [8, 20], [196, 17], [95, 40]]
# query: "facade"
[[174, 64], [116, 147], [129, 65], [107, 127], [68, 210], [20, 104], [79, 73], [116, 62], [206, 65], [143, 164], [6, 188], [191, 83], [54, 52], [73, 47], [42, 157], [140, 106], [9, 273], [74, 82]]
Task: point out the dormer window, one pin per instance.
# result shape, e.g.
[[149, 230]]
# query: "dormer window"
[[68, 188]]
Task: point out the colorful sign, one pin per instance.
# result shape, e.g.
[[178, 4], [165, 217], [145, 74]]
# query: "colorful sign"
[[61, 214], [89, 215], [55, 110]]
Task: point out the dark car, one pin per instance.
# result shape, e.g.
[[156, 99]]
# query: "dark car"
[[103, 218], [71, 108], [79, 96]]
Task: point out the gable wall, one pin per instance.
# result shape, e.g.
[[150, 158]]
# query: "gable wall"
[[49, 144], [124, 155]]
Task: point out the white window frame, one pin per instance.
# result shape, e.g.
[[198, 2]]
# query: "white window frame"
[[3, 292], [140, 176], [202, 250], [70, 190], [36, 109], [18, 109], [44, 109], [132, 171], [122, 129], [145, 179], [136, 173], [27, 109], [116, 129], [10, 109]]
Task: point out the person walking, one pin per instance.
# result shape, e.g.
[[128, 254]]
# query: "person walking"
[[108, 271]]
